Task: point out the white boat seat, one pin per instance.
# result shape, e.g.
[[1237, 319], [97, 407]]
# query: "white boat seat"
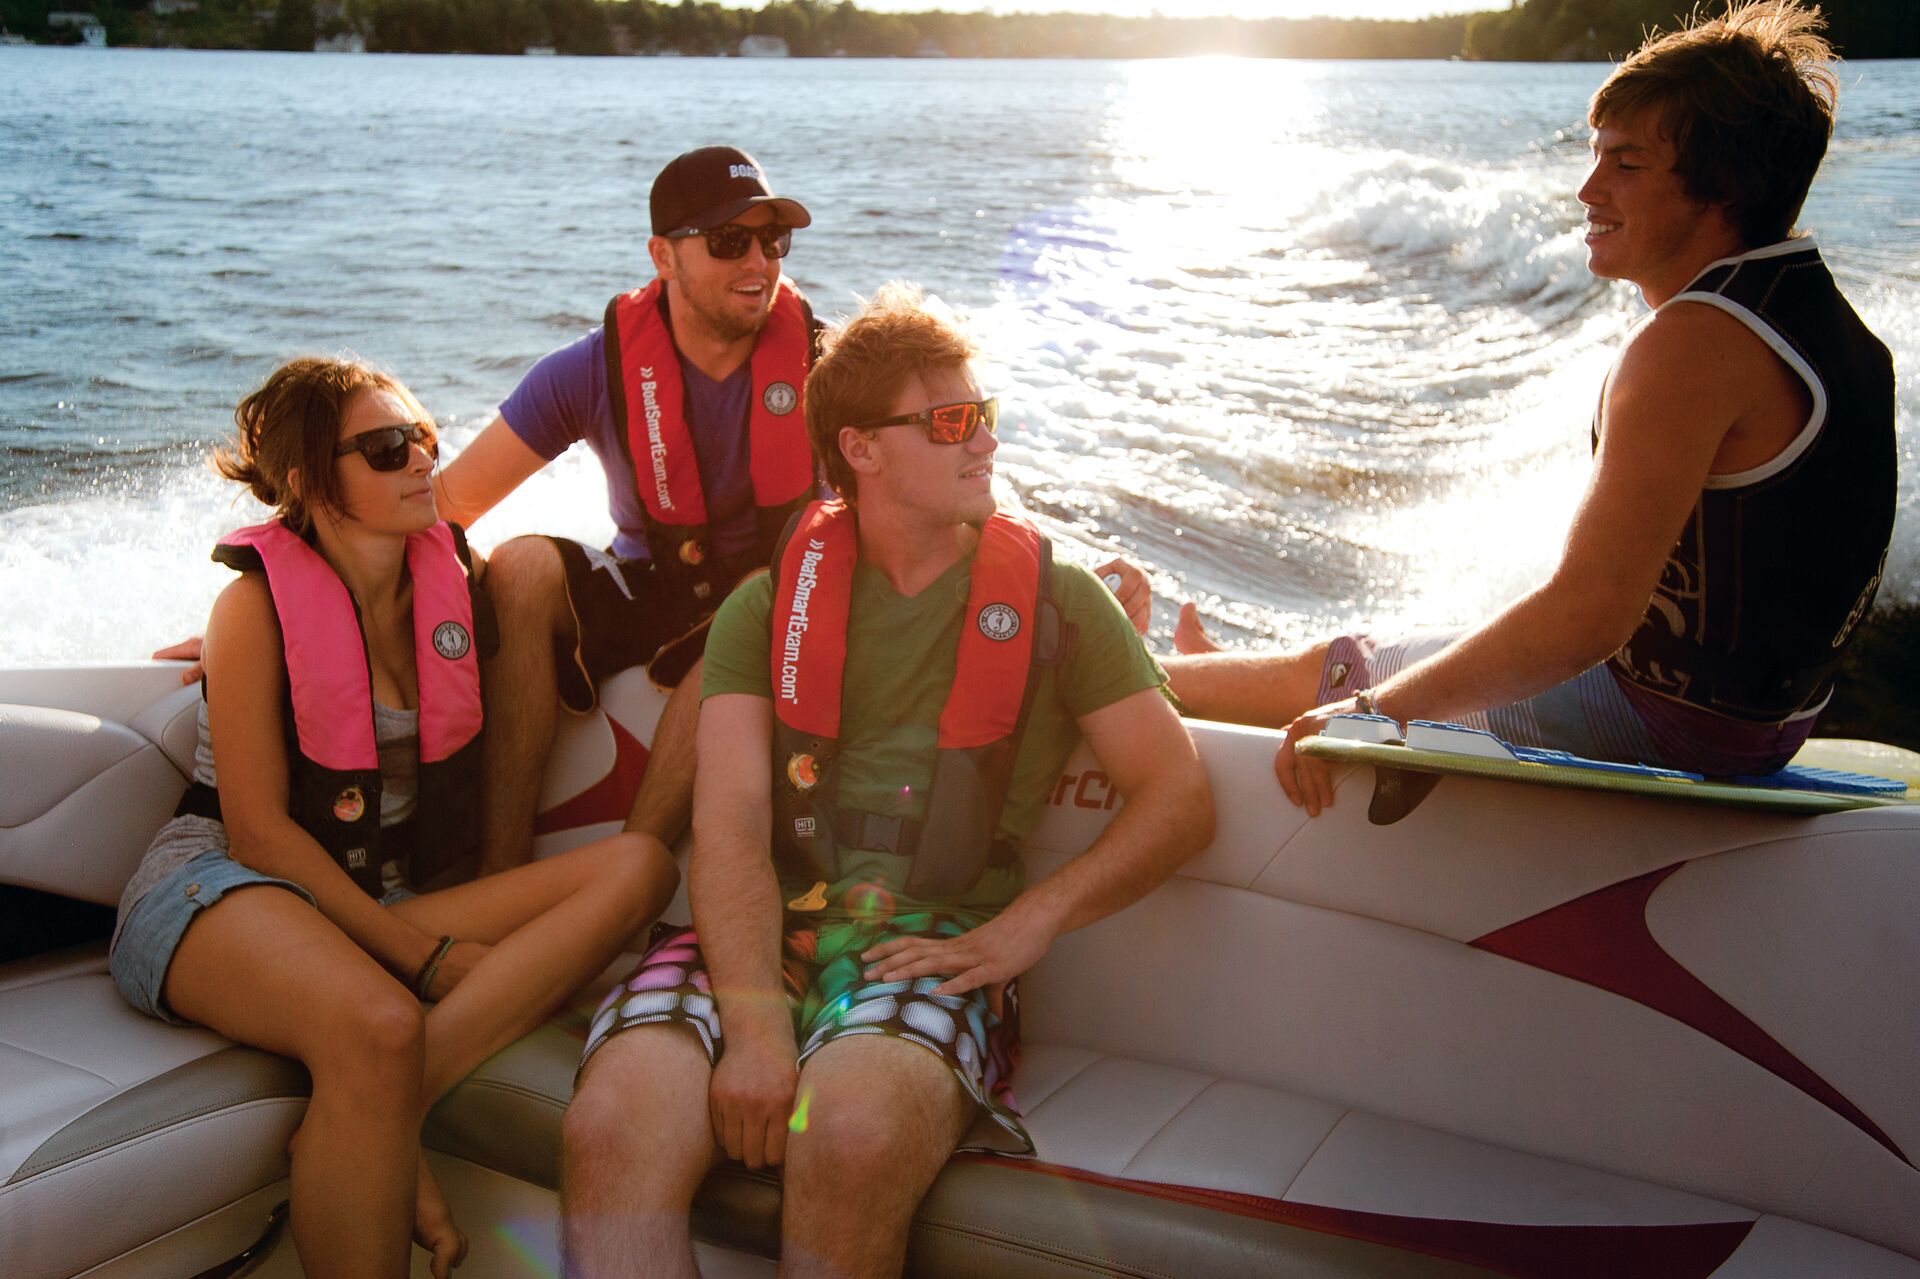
[[1143, 1168], [1316, 1051], [82, 798], [1146, 1169]]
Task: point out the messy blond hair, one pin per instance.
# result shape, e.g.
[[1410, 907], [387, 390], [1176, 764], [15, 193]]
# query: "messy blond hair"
[[866, 362], [1747, 100]]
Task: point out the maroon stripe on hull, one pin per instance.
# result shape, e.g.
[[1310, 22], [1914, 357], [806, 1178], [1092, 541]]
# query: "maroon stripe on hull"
[[1602, 939], [608, 799], [1690, 1251]]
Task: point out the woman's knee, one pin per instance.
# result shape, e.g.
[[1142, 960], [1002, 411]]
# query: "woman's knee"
[[636, 867], [375, 1032]]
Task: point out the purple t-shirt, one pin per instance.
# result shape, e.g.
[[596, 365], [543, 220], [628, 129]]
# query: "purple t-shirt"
[[563, 399]]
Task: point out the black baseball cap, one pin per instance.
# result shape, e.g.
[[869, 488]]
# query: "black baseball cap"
[[704, 188]]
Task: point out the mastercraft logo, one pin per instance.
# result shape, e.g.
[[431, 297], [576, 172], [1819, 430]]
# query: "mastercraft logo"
[[656, 447], [803, 583]]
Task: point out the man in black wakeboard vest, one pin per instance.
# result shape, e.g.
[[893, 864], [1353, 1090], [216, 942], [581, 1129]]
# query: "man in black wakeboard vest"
[[1734, 531]]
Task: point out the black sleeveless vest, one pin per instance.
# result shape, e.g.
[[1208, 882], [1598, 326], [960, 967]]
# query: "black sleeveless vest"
[[1777, 565]]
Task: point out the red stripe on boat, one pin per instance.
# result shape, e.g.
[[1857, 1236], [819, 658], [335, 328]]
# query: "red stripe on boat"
[[1689, 1251], [607, 800], [1602, 939]]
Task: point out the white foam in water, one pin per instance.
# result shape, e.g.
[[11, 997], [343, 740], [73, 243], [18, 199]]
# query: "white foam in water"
[[118, 575]]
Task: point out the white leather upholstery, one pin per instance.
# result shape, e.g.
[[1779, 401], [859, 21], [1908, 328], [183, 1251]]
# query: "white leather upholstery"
[[69, 1047], [1299, 1017], [1742, 924], [72, 1043], [172, 722], [82, 800]]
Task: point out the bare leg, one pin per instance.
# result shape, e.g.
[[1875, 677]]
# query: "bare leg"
[[636, 1144], [883, 1116], [528, 586], [552, 925], [665, 799], [1266, 689], [262, 967]]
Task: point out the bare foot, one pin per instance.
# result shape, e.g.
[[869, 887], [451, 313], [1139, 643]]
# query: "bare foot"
[[433, 1227], [1189, 636]]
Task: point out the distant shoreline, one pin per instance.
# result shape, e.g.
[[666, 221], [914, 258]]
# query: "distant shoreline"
[[1535, 31]]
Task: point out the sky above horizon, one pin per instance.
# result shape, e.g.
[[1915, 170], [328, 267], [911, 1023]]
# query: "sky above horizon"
[[1402, 9]]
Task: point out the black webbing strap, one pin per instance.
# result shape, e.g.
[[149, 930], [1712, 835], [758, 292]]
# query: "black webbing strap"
[[853, 828]]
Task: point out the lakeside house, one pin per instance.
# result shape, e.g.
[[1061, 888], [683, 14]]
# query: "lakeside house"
[[92, 34], [763, 47]]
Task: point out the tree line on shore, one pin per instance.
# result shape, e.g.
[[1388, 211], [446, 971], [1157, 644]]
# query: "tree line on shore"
[[1529, 30], [1606, 30]]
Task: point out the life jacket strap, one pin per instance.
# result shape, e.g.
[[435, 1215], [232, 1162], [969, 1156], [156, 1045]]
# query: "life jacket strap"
[[853, 828]]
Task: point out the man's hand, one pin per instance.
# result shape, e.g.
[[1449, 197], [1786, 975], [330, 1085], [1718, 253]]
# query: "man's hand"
[[991, 955], [1306, 780], [187, 650], [1130, 586], [750, 1098]]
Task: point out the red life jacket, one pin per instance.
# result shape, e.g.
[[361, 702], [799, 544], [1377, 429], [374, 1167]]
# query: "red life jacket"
[[334, 790], [1010, 630], [644, 384]]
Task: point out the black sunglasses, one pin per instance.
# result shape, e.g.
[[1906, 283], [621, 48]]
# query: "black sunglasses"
[[729, 240], [946, 423], [389, 448]]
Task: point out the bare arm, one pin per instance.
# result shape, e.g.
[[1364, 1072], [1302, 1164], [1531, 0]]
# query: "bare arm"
[[1168, 817], [1686, 377], [495, 464], [736, 911], [246, 672]]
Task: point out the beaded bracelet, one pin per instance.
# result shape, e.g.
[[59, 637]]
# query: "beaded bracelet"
[[423, 980]]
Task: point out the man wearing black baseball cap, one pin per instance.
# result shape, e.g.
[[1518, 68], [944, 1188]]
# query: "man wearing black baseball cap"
[[689, 396]]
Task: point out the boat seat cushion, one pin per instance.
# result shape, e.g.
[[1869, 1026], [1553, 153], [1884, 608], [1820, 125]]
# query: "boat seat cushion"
[[1147, 1169], [82, 799], [115, 1128]]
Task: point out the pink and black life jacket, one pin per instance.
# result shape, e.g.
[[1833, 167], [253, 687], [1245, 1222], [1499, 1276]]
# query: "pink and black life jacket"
[[644, 385], [1010, 630], [334, 790]]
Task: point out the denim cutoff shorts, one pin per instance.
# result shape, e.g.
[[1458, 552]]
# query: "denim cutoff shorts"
[[158, 921]]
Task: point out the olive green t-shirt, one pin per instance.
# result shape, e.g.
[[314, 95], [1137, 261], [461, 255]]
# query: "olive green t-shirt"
[[901, 654]]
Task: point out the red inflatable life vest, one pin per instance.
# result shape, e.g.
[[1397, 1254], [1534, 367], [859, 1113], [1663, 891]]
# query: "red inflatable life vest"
[[644, 384], [1010, 630], [334, 791]]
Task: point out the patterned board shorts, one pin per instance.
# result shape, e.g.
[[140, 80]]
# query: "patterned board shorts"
[[831, 1000]]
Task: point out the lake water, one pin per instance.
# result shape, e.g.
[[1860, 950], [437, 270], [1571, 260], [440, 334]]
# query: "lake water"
[[1315, 341]]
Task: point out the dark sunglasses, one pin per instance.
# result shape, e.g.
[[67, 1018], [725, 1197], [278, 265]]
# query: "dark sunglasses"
[[946, 423], [729, 240], [389, 448]]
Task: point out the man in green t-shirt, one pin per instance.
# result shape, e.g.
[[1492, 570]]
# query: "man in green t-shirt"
[[842, 1005]]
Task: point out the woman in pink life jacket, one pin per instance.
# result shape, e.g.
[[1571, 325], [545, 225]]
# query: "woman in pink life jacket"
[[338, 767]]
